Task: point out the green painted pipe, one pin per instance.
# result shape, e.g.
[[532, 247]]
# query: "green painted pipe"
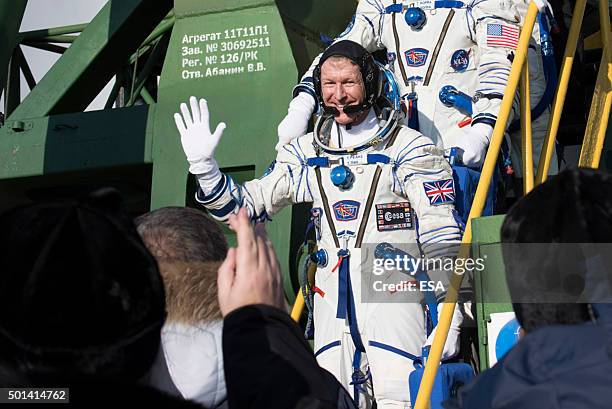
[[11, 14], [55, 31], [54, 39]]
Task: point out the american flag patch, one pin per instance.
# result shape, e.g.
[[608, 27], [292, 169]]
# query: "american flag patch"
[[440, 191], [502, 35]]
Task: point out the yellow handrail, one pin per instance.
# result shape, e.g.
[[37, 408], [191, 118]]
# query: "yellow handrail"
[[298, 306], [526, 134], [431, 367], [595, 132], [560, 93]]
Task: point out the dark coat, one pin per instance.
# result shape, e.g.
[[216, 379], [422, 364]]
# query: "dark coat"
[[268, 364], [555, 367]]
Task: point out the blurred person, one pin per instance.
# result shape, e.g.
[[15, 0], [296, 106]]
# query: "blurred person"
[[81, 303], [371, 180], [189, 247], [564, 359]]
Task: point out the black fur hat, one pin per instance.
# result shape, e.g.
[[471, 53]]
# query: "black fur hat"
[[80, 294], [557, 248]]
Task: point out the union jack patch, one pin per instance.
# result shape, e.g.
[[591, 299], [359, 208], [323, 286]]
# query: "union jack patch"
[[346, 210], [440, 191]]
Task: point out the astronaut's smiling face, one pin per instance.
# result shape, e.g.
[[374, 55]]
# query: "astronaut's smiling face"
[[342, 85]]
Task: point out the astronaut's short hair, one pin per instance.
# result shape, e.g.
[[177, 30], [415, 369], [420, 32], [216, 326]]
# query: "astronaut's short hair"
[[338, 57]]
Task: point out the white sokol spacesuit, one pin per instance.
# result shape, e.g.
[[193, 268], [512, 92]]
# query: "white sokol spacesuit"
[[389, 170], [437, 50]]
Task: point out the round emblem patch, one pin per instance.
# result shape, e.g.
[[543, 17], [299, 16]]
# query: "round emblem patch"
[[460, 60]]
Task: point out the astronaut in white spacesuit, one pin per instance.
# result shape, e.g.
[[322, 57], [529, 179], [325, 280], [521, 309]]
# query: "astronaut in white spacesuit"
[[358, 165], [451, 59]]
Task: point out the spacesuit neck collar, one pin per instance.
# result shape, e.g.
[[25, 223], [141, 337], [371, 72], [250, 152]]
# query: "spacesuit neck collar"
[[367, 124], [370, 128]]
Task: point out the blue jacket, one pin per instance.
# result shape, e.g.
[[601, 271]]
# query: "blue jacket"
[[555, 367]]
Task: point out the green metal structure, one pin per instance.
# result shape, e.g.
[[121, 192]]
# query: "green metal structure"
[[244, 56], [491, 290]]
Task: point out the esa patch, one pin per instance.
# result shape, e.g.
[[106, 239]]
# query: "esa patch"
[[269, 169], [440, 191], [346, 210], [416, 57], [393, 216], [460, 60]]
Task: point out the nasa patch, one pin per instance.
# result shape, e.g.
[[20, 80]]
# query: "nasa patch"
[[346, 210], [416, 57], [348, 28], [393, 216], [460, 60]]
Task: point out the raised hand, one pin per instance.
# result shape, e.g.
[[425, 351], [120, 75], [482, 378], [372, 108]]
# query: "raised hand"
[[250, 273], [198, 142]]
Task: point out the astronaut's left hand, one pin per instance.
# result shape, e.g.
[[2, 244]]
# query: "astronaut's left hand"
[[451, 347], [473, 143]]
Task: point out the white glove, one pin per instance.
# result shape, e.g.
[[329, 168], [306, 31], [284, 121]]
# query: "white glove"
[[295, 124], [451, 347], [472, 142], [198, 142]]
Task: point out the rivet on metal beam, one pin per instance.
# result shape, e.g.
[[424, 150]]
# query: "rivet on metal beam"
[[18, 126]]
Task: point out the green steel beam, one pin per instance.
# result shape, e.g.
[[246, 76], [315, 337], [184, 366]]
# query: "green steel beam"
[[31, 35], [54, 39], [160, 30], [146, 70], [12, 94], [76, 142], [58, 49], [146, 96], [25, 69], [94, 57], [112, 97], [11, 14]]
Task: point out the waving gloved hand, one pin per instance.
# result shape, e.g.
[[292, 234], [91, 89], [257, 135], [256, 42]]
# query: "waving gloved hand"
[[472, 142], [451, 347], [295, 124], [199, 143]]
